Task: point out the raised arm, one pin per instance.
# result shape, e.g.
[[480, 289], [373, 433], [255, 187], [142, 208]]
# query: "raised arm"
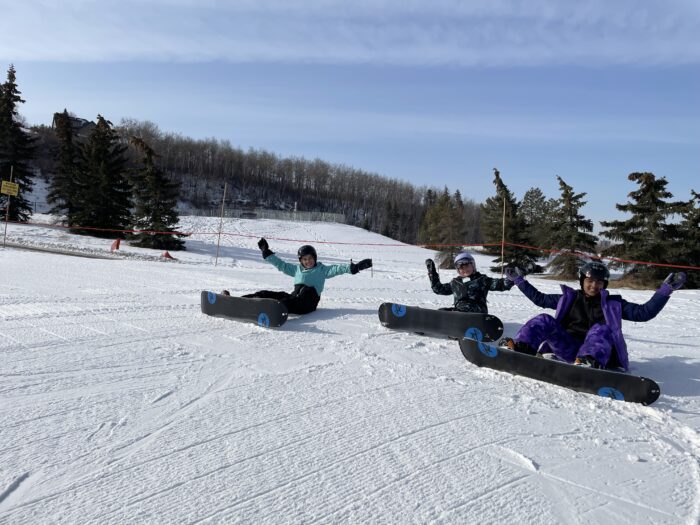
[[333, 270], [499, 285], [269, 256], [517, 276], [650, 309], [435, 284]]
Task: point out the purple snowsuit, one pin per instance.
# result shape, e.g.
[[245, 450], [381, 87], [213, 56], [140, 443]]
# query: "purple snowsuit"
[[601, 339]]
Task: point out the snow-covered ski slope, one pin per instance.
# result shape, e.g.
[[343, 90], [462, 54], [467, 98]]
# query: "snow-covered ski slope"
[[122, 403]]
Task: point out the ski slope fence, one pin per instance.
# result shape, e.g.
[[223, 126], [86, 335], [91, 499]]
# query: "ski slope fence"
[[545, 251]]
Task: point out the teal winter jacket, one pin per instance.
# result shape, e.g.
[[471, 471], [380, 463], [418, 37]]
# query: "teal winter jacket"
[[315, 276]]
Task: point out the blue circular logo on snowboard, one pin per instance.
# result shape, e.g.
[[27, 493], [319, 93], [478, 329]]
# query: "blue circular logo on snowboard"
[[474, 333], [398, 310], [489, 351], [211, 296], [263, 320], [478, 336], [613, 393]]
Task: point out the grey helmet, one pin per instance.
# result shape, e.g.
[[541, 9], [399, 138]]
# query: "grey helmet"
[[464, 258]]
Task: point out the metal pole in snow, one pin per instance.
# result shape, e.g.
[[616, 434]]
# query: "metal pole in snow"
[[221, 224]]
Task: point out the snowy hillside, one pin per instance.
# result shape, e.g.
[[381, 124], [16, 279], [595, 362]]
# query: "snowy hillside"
[[122, 403]]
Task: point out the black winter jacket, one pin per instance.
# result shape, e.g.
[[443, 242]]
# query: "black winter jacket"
[[470, 293]]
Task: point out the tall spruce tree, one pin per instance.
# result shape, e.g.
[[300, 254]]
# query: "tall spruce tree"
[[492, 213], [16, 150], [104, 201], [443, 226], [67, 182], [646, 235], [687, 249], [536, 211], [571, 231], [456, 228], [155, 203]]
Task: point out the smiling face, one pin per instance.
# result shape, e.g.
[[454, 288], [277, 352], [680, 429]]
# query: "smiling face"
[[307, 261], [592, 287], [465, 270]]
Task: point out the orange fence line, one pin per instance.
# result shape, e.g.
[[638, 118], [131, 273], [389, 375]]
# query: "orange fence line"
[[394, 245]]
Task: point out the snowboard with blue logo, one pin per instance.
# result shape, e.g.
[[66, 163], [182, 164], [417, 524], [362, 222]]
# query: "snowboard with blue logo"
[[268, 313], [606, 383], [442, 323]]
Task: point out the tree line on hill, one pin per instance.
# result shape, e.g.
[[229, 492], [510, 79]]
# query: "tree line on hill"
[[131, 176]]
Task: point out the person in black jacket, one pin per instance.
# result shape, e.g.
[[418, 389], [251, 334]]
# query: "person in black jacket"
[[469, 288]]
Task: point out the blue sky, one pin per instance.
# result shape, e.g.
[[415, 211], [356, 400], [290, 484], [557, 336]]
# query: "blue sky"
[[435, 93]]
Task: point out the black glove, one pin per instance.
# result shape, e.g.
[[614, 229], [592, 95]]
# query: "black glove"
[[362, 265], [264, 248], [432, 272], [513, 273], [675, 280]]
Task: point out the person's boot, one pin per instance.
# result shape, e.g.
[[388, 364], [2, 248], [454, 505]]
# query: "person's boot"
[[587, 360], [517, 346]]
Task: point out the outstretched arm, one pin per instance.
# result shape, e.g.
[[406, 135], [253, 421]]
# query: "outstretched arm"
[[332, 270], [435, 284], [650, 309], [362, 265], [284, 267], [517, 277], [499, 285], [269, 256]]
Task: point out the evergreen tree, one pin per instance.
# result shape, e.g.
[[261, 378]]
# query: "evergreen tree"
[[66, 183], [16, 149], [104, 201], [536, 211], [515, 230], [687, 250], [570, 231], [646, 235], [442, 226], [455, 226], [155, 203]]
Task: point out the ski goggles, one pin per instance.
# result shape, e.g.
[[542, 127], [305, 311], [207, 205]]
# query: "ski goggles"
[[463, 262]]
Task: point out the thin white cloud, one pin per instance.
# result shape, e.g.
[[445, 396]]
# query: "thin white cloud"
[[267, 121], [400, 32]]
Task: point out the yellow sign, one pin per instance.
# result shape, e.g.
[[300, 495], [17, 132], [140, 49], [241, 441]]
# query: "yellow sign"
[[9, 188]]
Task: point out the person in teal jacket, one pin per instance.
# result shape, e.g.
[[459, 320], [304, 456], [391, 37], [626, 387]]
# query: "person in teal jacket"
[[309, 277]]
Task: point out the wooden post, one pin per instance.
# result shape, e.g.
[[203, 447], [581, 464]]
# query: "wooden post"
[[221, 224], [7, 210], [503, 237]]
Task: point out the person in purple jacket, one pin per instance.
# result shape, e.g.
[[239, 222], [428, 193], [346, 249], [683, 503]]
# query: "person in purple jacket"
[[587, 326]]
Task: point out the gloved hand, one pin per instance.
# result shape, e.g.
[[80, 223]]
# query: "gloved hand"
[[432, 272], [362, 265], [513, 273], [674, 281], [264, 248]]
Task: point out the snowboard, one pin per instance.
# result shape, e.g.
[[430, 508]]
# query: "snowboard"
[[439, 322], [606, 383], [268, 313]]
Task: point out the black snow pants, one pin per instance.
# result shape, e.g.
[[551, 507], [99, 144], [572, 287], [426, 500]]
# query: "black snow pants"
[[303, 300]]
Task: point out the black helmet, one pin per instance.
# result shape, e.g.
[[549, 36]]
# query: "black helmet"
[[595, 270], [307, 249]]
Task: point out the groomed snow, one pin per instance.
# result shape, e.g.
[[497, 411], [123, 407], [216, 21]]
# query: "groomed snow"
[[122, 403]]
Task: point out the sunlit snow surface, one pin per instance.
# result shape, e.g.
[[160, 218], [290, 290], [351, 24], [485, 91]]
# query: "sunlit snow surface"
[[122, 403]]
